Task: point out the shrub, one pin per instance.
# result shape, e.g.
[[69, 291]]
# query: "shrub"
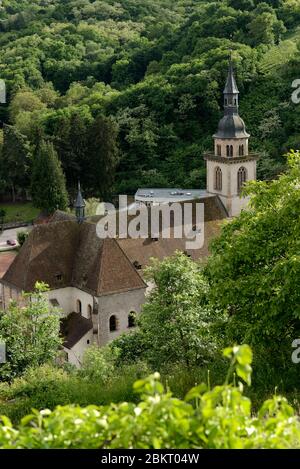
[[206, 418], [98, 363], [22, 236]]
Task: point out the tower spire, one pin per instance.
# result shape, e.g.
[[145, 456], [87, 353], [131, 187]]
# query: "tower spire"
[[231, 92], [79, 206]]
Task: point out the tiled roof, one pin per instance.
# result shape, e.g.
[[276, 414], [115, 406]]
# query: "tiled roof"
[[73, 328], [140, 251], [65, 253]]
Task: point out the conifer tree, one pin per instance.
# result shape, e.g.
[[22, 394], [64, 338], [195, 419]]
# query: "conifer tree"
[[48, 185]]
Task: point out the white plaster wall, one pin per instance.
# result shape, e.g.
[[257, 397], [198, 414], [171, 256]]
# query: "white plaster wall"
[[67, 299], [75, 355], [8, 294], [120, 305], [229, 193]]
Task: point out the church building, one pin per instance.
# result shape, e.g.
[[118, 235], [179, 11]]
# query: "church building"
[[98, 283], [229, 166]]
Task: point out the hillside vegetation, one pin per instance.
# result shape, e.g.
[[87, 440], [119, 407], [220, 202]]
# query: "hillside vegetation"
[[154, 70]]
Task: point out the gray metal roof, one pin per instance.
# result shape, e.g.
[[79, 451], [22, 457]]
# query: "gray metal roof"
[[168, 195], [231, 126], [230, 86], [79, 203]]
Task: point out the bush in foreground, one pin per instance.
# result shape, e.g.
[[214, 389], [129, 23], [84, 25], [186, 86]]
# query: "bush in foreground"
[[206, 418]]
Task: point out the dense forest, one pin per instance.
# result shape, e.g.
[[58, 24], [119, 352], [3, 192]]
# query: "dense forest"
[[128, 93], [120, 94]]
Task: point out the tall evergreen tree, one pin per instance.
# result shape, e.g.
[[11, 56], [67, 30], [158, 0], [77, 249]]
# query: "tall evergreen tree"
[[14, 161], [48, 186], [103, 156]]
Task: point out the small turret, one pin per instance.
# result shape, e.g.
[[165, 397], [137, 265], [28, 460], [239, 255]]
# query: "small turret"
[[79, 206]]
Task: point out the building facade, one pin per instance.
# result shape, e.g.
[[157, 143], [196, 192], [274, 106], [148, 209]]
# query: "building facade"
[[230, 165]]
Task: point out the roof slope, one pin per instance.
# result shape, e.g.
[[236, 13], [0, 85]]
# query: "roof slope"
[[140, 251], [64, 254]]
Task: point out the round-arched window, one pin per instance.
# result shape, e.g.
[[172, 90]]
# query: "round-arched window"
[[131, 319], [241, 178], [113, 323], [218, 179]]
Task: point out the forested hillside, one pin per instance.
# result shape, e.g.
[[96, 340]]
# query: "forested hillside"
[[133, 87]]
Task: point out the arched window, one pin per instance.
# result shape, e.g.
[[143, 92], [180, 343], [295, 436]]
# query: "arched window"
[[113, 323], [89, 311], [218, 179], [79, 306], [229, 150], [131, 319], [241, 150], [242, 178], [219, 150]]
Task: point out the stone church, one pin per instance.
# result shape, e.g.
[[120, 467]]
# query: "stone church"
[[98, 283]]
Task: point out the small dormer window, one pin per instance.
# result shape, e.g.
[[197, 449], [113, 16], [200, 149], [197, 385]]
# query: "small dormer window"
[[58, 277], [137, 265]]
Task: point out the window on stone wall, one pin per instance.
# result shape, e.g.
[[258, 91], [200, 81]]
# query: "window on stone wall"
[[89, 311], [241, 150], [113, 323], [131, 319], [79, 306], [219, 150], [229, 150], [242, 178], [218, 179]]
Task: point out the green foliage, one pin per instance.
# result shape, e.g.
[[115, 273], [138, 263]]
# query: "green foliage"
[[47, 386], [15, 159], [98, 363], [48, 187], [254, 270], [176, 322], [31, 333], [207, 418], [19, 212], [22, 236], [155, 67]]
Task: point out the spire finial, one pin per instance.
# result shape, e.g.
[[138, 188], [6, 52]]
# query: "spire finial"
[[79, 205]]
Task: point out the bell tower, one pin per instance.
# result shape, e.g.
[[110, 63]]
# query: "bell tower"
[[230, 165]]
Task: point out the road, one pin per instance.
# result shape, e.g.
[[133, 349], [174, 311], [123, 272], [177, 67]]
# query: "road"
[[10, 234]]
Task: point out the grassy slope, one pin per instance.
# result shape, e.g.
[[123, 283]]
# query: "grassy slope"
[[19, 212], [280, 54]]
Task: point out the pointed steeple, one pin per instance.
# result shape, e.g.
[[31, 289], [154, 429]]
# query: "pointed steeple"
[[231, 92], [79, 206], [231, 86], [231, 125]]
